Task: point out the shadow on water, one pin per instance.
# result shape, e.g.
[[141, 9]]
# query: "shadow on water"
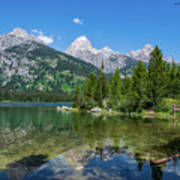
[[18, 169]]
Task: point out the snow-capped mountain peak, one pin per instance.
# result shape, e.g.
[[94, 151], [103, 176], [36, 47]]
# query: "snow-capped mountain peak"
[[106, 51], [142, 54], [82, 38], [19, 32], [82, 48], [16, 37], [148, 46], [81, 43]]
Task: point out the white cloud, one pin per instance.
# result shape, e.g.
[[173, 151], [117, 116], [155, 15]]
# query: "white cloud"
[[46, 39], [42, 37], [78, 21]]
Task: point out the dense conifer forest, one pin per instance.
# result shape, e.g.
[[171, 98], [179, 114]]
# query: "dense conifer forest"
[[145, 89]]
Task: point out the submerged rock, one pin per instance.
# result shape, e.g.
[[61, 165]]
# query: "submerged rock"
[[63, 108], [53, 169], [96, 110]]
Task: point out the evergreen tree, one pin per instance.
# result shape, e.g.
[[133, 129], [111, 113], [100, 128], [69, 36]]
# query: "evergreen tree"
[[102, 87], [89, 89], [126, 100], [115, 89], [126, 85], [157, 87], [90, 85], [173, 71], [77, 97], [139, 86], [116, 84], [175, 83]]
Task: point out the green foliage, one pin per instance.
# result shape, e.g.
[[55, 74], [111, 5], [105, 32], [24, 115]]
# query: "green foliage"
[[102, 87], [77, 97], [174, 83], [126, 86], [93, 92], [20, 96], [157, 77], [139, 86], [115, 90], [145, 89], [162, 106], [48, 70]]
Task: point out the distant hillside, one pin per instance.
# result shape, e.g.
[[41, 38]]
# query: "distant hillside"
[[32, 66], [27, 64]]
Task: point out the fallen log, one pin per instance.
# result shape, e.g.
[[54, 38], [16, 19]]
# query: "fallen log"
[[161, 161]]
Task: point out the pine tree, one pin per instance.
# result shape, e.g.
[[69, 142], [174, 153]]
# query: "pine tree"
[[157, 87], [102, 87], [172, 86], [173, 71], [77, 97], [115, 88], [139, 86], [90, 85], [126, 85], [175, 82], [116, 84], [89, 89]]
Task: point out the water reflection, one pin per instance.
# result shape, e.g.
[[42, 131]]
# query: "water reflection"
[[17, 170], [174, 123], [99, 147]]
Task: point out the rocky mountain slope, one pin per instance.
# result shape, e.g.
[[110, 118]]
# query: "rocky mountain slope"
[[144, 54], [82, 48], [27, 64], [17, 36]]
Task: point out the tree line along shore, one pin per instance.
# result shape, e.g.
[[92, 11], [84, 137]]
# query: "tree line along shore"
[[154, 87]]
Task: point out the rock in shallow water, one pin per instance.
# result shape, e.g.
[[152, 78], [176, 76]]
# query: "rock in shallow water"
[[58, 168]]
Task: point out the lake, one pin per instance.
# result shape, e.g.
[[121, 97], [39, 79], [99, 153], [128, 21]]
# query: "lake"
[[39, 143]]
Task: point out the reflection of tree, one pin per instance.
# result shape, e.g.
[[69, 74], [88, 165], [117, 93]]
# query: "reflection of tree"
[[170, 150], [156, 172], [144, 137], [140, 161]]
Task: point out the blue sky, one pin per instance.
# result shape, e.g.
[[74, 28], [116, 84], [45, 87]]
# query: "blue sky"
[[122, 25]]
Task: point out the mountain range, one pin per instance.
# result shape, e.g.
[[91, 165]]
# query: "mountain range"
[[82, 48], [28, 64]]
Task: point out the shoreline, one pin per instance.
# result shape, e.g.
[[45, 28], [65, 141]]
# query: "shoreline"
[[144, 115]]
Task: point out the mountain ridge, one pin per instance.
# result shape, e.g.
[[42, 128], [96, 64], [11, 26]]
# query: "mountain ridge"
[[82, 48], [27, 64]]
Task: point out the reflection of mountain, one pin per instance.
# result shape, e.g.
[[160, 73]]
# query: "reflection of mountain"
[[17, 170], [87, 141], [28, 131], [57, 167], [145, 138]]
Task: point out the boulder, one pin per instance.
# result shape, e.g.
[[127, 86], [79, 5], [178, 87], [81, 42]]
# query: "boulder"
[[96, 110], [63, 108]]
